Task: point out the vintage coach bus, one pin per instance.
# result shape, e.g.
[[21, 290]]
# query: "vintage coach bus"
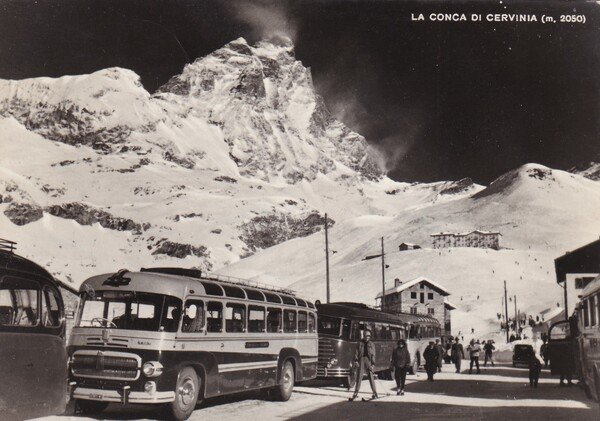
[[341, 326], [33, 355], [574, 344], [176, 336]]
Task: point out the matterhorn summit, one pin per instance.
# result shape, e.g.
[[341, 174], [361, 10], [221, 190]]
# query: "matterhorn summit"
[[282, 129]]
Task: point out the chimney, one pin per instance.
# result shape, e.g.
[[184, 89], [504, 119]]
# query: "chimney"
[[397, 282]]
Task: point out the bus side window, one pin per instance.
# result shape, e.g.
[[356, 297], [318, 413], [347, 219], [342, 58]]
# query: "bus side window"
[[214, 319], [51, 314], [289, 324], [302, 322], [312, 323], [193, 316], [18, 302], [256, 319], [586, 315], [171, 315], [274, 323], [235, 319]]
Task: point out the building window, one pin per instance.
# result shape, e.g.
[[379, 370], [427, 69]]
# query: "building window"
[[422, 298], [413, 310], [430, 295], [431, 311], [422, 286], [413, 295]]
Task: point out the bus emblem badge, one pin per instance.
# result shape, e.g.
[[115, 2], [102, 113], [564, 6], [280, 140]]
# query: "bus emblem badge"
[[105, 336]]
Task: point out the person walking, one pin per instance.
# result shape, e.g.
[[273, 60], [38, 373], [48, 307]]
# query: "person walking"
[[400, 365], [431, 356], [489, 350], [364, 359], [440, 350], [534, 370], [544, 352], [474, 349], [457, 354]]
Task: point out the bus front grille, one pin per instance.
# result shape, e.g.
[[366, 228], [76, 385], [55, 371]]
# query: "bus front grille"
[[105, 365], [326, 351]]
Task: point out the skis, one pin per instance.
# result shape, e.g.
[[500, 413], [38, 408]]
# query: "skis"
[[364, 399]]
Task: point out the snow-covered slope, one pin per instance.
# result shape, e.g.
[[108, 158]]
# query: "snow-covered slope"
[[238, 157], [540, 212], [236, 154]]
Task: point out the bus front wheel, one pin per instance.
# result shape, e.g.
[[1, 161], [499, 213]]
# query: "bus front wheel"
[[284, 390], [186, 394]]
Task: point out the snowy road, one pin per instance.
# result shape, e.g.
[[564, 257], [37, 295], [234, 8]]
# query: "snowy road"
[[498, 393]]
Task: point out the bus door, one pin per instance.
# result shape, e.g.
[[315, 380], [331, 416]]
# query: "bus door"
[[560, 348], [32, 336]]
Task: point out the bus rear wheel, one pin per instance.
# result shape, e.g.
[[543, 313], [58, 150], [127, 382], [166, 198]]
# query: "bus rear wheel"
[[83, 406], [284, 390], [186, 394]]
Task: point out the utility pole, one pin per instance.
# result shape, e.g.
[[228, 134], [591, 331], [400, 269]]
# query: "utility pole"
[[506, 310], [518, 325], [382, 274], [327, 257]]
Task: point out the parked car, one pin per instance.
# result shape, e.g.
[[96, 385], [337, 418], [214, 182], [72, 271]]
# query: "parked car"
[[33, 357], [522, 353]]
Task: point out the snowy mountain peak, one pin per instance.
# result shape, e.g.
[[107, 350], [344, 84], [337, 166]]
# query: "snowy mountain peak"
[[282, 130]]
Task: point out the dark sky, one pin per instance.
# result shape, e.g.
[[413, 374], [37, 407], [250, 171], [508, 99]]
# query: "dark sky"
[[443, 100]]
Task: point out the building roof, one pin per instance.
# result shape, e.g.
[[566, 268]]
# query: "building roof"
[[415, 281], [449, 305], [585, 259], [409, 244], [462, 234]]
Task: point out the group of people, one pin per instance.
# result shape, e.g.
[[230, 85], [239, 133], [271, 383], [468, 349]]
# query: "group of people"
[[400, 364]]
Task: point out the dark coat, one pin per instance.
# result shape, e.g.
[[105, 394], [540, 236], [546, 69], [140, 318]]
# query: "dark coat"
[[431, 356], [360, 350], [489, 348], [400, 357], [535, 367], [458, 352]]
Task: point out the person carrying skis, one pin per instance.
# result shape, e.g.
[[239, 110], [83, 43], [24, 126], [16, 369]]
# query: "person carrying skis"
[[474, 349], [364, 359], [400, 365]]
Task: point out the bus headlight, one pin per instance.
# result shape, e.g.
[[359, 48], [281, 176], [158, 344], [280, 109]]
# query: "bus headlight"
[[152, 369], [332, 362]]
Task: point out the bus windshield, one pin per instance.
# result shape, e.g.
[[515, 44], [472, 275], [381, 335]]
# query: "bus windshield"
[[130, 310], [329, 325]]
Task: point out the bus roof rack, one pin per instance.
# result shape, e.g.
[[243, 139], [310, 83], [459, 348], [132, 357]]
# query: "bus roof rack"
[[8, 245], [248, 283], [198, 274], [192, 273]]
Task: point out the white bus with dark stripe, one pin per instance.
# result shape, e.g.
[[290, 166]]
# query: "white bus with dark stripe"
[[176, 336]]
